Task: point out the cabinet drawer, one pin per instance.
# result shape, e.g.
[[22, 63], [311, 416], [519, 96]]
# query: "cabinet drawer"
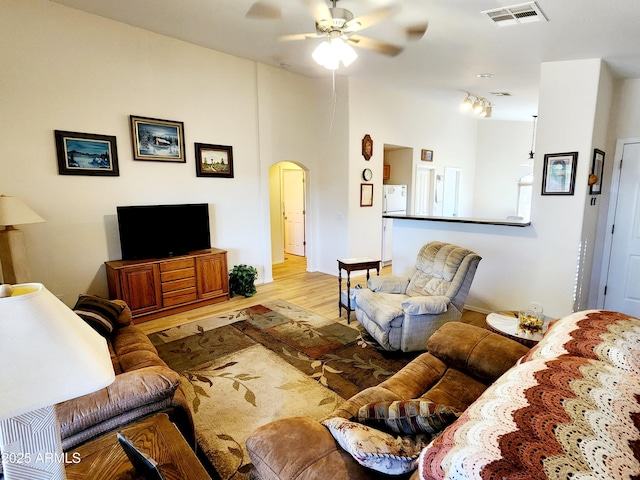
[[179, 297], [172, 275], [181, 284], [176, 264]]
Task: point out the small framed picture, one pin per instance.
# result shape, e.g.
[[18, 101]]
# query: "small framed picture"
[[214, 160], [86, 154], [426, 155], [157, 140], [559, 175], [597, 169], [366, 194]]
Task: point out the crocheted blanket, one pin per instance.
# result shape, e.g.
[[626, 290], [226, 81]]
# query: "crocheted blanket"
[[570, 408]]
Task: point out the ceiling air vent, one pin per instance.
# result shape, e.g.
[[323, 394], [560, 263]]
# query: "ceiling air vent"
[[516, 14]]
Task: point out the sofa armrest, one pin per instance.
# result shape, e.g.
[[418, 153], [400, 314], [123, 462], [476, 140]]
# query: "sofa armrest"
[[129, 391], [388, 283], [300, 448], [425, 305], [474, 350]]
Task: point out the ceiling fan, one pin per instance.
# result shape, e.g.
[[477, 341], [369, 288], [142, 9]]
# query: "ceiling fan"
[[339, 28]]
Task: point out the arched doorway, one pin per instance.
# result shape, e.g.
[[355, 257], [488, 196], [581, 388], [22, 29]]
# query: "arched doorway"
[[288, 208]]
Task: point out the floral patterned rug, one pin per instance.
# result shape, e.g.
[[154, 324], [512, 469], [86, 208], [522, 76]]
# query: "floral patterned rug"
[[249, 367]]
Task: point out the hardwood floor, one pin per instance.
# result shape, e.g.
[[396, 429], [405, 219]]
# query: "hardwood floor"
[[314, 291]]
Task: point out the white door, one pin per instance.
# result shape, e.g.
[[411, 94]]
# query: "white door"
[[451, 192], [623, 279], [423, 202], [293, 208]]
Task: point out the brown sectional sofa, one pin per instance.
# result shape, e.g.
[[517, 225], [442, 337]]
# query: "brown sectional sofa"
[[144, 385], [568, 408], [462, 361]]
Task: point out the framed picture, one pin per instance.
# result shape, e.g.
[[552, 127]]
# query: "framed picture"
[[559, 175], [366, 194], [597, 169], [426, 155], [86, 154], [214, 160], [367, 147], [157, 140]]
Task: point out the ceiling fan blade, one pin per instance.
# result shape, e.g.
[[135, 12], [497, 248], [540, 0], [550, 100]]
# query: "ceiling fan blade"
[[417, 31], [319, 9], [298, 36], [370, 19], [376, 45], [263, 11]]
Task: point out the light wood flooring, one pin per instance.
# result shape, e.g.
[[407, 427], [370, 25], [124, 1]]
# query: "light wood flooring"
[[314, 291]]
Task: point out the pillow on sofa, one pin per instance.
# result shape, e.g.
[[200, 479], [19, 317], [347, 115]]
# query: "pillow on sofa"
[[377, 450], [408, 416], [98, 312]]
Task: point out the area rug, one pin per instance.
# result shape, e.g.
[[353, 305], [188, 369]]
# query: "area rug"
[[249, 367]]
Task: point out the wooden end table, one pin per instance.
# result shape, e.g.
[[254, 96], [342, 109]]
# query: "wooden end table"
[[505, 323], [104, 458], [350, 265]]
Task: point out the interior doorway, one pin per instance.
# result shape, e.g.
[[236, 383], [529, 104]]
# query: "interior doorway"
[[623, 273], [288, 214]]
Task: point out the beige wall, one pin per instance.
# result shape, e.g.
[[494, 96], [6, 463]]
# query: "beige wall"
[[64, 69]]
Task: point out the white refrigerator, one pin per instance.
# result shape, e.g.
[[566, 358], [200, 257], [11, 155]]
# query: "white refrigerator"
[[394, 201]]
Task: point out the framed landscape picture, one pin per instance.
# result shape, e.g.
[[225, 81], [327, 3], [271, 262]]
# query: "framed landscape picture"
[[559, 175], [86, 154], [214, 160], [157, 140]]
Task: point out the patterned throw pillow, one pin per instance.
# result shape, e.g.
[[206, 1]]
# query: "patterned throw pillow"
[[98, 312], [377, 450], [408, 416]]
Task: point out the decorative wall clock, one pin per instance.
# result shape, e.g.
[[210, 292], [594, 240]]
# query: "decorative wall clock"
[[367, 174], [367, 147]]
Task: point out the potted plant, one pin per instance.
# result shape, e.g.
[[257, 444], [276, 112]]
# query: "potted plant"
[[241, 280]]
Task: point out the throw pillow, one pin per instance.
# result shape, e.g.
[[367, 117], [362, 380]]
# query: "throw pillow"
[[377, 450], [98, 312], [408, 416]]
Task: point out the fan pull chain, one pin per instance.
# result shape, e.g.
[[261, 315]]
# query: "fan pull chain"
[[335, 99]]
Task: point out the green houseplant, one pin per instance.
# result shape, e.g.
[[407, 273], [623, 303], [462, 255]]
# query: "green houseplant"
[[241, 280]]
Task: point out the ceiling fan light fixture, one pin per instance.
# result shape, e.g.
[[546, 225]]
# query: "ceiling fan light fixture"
[[331, 52]]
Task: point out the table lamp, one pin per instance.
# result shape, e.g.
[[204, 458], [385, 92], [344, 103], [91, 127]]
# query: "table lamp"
[[13, 253], [48, 355]]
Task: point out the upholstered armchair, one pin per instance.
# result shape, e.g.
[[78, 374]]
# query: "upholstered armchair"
[[401, 312]]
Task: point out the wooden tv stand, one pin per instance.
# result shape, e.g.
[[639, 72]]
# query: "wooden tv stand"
[[161, 286]]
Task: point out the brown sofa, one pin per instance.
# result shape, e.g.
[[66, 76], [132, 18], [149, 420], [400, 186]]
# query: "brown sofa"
[[144, 385], [462, 361]]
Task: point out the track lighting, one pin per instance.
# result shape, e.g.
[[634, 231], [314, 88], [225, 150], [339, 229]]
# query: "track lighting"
[[479, 105]]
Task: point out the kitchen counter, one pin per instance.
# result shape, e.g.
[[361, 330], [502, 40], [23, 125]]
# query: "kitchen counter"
[[480, 221]]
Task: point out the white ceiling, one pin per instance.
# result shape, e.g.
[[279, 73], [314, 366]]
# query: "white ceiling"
[[459, 44]]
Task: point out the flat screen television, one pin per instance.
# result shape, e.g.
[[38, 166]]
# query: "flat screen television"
[[159, 231]]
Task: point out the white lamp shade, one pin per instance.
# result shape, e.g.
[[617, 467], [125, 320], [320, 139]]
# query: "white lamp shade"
[[47, 352], [14, 212]]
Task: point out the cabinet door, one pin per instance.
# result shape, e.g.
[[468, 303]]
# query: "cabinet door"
[[212, 275], [141, 288]]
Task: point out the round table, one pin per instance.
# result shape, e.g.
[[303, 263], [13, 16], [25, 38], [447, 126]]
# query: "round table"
[[506, 324]]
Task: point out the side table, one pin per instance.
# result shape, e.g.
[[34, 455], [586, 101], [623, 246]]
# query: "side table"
[[506, 324], [350, 265], [104, 458]]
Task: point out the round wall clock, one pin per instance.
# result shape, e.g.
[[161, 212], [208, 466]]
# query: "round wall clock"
[[367, 174]]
